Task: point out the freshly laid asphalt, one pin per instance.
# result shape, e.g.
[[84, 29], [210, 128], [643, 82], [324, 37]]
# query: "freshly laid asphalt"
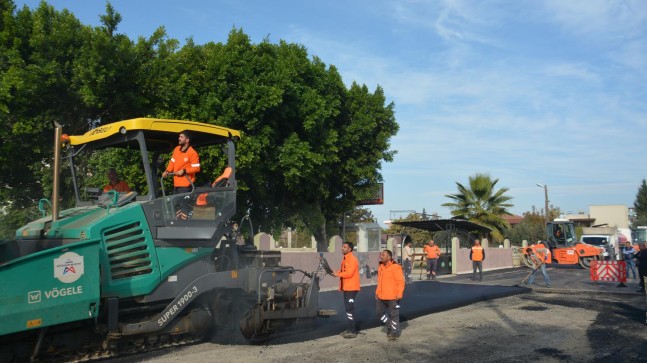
[[422, 297]]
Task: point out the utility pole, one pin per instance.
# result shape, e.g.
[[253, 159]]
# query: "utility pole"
[[545, 201]]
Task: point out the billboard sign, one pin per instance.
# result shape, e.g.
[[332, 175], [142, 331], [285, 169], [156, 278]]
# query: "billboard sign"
[[377, 195]]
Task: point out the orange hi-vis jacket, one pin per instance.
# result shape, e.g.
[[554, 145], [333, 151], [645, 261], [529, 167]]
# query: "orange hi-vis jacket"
[[121, 187], [390, 281], [432, 252], [226, 174], [349, 273], [187, 160], [477, 253]]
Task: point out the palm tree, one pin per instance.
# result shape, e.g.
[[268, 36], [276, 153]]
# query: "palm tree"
[[481, 204]]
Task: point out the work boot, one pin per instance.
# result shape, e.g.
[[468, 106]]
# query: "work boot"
[[393, 336], [349, 334]]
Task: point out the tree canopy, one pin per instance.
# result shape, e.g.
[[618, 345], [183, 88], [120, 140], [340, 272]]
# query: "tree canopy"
[[480, 203], [640, 205], [533, 226], [310, 144], [532, 229], [418, 237]]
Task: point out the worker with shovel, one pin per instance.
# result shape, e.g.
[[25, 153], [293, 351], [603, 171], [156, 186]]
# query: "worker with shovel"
[[539, 260]]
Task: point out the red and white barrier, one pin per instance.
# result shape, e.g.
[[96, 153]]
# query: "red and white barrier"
[[614, 271]]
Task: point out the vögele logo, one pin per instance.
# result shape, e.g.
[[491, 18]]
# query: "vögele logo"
[[33, 297]]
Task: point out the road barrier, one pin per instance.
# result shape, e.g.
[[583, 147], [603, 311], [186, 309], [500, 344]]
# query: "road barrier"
[[614, 271]]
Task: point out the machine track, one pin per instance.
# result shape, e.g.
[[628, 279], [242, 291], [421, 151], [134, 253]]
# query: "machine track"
[[122, 348], [82, 344]]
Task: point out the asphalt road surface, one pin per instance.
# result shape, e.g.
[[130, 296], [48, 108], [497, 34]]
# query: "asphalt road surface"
[[455, 319]]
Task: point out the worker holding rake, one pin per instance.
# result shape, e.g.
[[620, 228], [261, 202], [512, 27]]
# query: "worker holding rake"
[[539, 260]]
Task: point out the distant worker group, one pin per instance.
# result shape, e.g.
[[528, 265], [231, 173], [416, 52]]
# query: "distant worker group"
[[430, 256], [391, 277]]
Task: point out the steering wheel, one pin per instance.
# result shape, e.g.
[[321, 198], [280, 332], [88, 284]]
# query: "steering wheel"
[[126, 198], [116, 199]]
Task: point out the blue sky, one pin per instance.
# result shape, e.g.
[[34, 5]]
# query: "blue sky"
[[551, 92]]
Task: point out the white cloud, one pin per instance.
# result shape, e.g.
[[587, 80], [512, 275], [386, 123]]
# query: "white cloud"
[[602, 19], [580, 71]]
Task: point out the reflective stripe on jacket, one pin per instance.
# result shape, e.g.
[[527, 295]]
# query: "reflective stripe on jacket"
[[349, 273], [187, 160], [477, 254], [390, 282]]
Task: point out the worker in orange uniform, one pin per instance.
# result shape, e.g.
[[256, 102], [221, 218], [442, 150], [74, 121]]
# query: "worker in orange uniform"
[[184, 162], [115, 183], [477, 255], [221, 182], [223, 179], [539, 261], [389, 290], [432, 253], [349, 284]]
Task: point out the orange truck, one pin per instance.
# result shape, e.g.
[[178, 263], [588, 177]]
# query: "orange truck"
[[564, 247]]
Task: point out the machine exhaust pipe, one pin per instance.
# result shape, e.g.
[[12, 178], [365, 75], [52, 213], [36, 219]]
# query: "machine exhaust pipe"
[[58, 132]]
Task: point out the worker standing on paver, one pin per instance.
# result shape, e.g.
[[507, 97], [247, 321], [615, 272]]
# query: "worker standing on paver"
[[389, 290], [432, 253], [349, 284], [539, 261], [477, 255]]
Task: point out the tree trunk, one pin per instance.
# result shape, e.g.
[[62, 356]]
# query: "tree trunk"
[[322, 240]]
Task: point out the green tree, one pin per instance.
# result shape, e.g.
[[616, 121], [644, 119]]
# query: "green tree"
[[418, 236], [532, 228], [480, 203], [53, 68], [310, 147], [640, 204], [35, 89], [361, 215]]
